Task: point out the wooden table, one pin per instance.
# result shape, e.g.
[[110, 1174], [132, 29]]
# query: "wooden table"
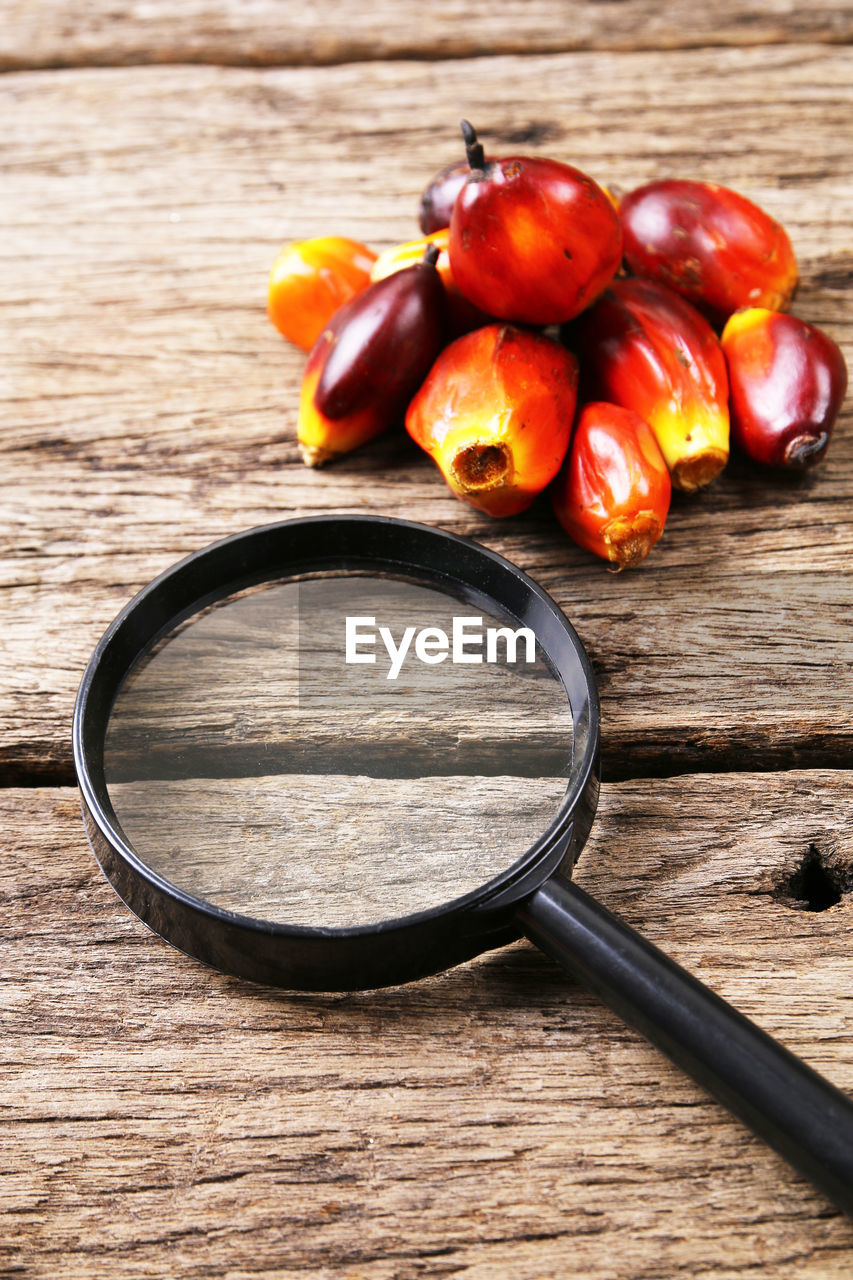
[[161, 1120]]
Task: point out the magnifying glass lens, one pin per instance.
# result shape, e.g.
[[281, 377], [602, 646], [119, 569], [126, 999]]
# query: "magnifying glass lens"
[[338, 751]]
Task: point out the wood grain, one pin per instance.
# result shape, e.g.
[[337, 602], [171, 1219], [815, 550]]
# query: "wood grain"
[[150, 407], [159, 1118], [264, 33], [334, 851], [262, 680]]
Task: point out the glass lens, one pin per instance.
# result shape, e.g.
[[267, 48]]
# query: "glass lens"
[[339, 750]]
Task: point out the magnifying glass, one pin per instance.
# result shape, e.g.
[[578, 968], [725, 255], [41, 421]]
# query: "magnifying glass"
[[346, 752]]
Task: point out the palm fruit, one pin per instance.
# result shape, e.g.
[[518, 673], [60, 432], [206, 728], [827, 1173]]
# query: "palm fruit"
[[645, 348], [711, 245], [613, 491], [311, 280], [495, 415], [788, 380], [531, 240], [369, 361]]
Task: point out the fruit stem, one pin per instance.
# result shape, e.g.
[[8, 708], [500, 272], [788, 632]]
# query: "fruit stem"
[[473, 149], [431, 255]]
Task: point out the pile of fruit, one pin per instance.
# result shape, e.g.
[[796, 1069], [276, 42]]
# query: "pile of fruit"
[[544, 333]]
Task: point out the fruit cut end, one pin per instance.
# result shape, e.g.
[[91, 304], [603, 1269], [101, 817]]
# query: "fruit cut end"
[[698, 470], [806, 450], [629, 539], [480, 467], [314, 456]]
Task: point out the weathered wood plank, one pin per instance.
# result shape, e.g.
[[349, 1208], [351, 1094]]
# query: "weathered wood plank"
[[159, 1118], [151, 408], [264, 33]]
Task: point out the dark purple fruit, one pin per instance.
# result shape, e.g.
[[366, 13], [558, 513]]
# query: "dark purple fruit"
[[370, 360], [440, 195]]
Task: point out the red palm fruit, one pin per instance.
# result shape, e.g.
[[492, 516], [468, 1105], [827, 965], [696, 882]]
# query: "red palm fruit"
[[711, 245], [531, 240], [643, 347], [613, 490], [788, 380], [310, 280], [369, 361], [462, 315], [495, 415]]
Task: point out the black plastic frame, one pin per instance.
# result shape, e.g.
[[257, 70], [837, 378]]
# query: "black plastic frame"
[[346, 958]]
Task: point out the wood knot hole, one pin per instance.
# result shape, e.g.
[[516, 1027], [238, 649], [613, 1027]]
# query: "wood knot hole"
[[817, 883]]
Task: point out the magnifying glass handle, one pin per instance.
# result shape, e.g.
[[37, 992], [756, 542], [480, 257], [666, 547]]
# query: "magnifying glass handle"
[[801, 1115]]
